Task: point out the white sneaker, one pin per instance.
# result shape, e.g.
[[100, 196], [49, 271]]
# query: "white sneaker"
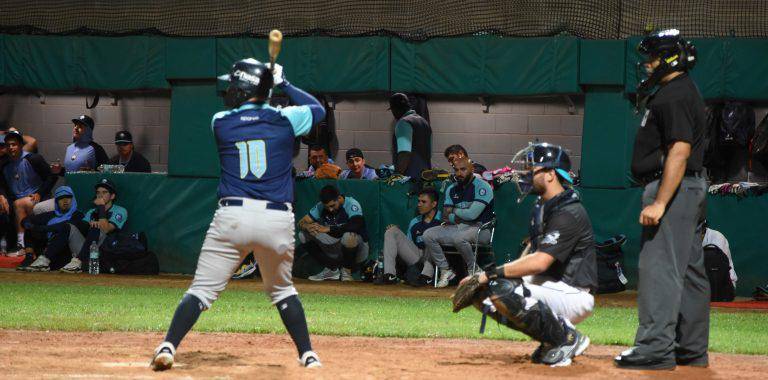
[[42, 264], [310, 360], [446, 275], [326, 274], [163, 358], [74, 266], [346, 274]]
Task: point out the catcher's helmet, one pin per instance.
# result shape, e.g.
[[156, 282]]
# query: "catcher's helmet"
[[248, 78], [542, 155]]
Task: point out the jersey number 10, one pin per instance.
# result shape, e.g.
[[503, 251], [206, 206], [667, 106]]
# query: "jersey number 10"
[[253, 157]]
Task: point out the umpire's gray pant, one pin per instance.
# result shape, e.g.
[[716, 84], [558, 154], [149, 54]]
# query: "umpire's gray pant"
[[396, 243], [461, 236], [673, 289]]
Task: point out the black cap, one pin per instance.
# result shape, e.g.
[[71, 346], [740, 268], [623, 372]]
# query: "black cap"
[[85, 120], [123, 137], [13, 135], [399, 101], [354, 152], [107, 184]]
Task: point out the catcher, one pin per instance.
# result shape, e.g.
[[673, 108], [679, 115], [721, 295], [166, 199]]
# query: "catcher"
[[548, 289]]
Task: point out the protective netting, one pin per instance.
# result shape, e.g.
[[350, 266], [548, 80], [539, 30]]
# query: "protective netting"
[[410, 20]]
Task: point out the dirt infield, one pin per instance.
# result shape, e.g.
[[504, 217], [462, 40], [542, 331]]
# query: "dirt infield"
[[54, 355]]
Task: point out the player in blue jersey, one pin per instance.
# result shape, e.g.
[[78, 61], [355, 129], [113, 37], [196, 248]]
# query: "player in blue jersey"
[[255, 144]]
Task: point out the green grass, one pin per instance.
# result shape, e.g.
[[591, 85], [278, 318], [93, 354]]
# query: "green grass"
[[120, 308]]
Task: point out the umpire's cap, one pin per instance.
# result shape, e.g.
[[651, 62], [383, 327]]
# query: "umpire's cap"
[[107, 184], [84, 120]]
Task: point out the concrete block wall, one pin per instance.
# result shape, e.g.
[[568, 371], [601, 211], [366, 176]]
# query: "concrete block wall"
[[491, 138], [48, 119]]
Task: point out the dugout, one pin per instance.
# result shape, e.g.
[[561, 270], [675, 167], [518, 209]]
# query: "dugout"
[[174, 209]]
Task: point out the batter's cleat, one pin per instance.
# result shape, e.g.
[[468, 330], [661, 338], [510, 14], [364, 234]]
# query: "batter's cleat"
[[561, 355], [74, 266], [446, 275], [326, 274], [310, 360], [346, 274], [42, 264], [163, 358], [245, 271], [29, 258]]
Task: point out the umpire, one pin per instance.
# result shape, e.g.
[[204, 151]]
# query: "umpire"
[[673, 290]]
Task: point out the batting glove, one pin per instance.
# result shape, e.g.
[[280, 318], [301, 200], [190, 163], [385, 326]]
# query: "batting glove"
[[277, 74]]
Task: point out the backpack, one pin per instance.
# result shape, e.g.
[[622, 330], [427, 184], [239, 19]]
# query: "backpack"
[[760, 141], [737, 124], [610, 266], [718, 272], [126, 253]]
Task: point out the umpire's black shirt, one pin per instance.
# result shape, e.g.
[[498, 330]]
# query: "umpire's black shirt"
[[675, 113]]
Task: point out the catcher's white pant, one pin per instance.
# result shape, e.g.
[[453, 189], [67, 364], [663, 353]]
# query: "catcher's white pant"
[[237, 230], [564, 300]]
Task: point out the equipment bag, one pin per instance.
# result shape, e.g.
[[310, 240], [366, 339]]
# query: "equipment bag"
[[610, 266], [718, 271], [760, 141], [737, 124], [126, 253]]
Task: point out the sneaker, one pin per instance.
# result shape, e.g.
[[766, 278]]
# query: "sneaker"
[[310, 360], [326, 274], [16, 252], [29, 258], [388, 279], [421, 280], [346, 274], [163, 358], [561, 356], [42, 264], [446, 275], [245, 271], [74, 266]]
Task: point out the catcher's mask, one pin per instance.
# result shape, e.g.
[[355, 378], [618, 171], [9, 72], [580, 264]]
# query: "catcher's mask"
[[248, 78], [674, 54], [541, 155]]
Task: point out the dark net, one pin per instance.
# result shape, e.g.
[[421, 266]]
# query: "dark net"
[[410, 20]]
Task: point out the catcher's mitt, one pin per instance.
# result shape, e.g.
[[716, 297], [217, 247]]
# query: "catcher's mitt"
[[328, 171], [465, 293]]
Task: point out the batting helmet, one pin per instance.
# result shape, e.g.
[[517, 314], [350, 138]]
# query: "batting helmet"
[[248, 78]]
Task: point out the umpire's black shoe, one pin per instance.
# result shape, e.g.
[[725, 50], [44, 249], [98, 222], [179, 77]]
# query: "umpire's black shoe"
[[701, 361], [631, 359]]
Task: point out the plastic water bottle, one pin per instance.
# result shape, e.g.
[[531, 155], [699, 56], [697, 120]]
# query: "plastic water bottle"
[[93, 262]]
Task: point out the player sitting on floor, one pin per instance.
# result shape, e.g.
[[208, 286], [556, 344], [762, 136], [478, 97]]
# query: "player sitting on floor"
[[546, 291], [334, 234]]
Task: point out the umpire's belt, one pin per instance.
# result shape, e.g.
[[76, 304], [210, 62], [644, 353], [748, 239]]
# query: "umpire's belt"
[[257, 203], [646, 179]]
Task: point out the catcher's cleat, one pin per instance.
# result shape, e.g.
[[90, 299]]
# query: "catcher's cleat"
[[310, 360], [561, 356], [537, 355], [163, 358]]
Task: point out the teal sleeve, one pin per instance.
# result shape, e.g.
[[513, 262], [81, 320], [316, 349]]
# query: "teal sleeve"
[[404, 136], [119, 216], [314, 213], [448, 201], [216, 116], [410, 225], [87, 216], [352, 207], [472, 212], [483, 191], [300, 118]]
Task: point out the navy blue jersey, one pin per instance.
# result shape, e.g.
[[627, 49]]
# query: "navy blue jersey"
[[351, 208], [461, 196], [417, 227], [255, 145]]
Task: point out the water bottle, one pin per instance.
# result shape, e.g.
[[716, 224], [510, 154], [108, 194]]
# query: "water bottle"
[[93, 262], [3, 245]]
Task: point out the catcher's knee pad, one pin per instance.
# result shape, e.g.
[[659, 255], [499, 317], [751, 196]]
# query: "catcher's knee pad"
[[526, 315]]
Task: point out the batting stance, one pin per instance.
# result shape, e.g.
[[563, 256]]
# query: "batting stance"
[[545, 292], [255, 143]]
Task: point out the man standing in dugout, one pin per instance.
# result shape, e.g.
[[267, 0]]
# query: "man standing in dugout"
[[673, 290]]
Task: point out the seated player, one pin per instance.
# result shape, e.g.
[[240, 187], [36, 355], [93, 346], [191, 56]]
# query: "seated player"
[[468, 204], [47, 234], [455, 151], [410, 246], [544, 293], [357, 167], [104, 219], [334, 233]]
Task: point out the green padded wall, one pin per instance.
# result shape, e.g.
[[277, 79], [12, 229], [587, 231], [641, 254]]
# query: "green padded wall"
[[190, 58], [192, 148], [486, 65], [602, 62]]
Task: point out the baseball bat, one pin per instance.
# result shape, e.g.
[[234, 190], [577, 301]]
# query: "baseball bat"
[[275, 39]]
